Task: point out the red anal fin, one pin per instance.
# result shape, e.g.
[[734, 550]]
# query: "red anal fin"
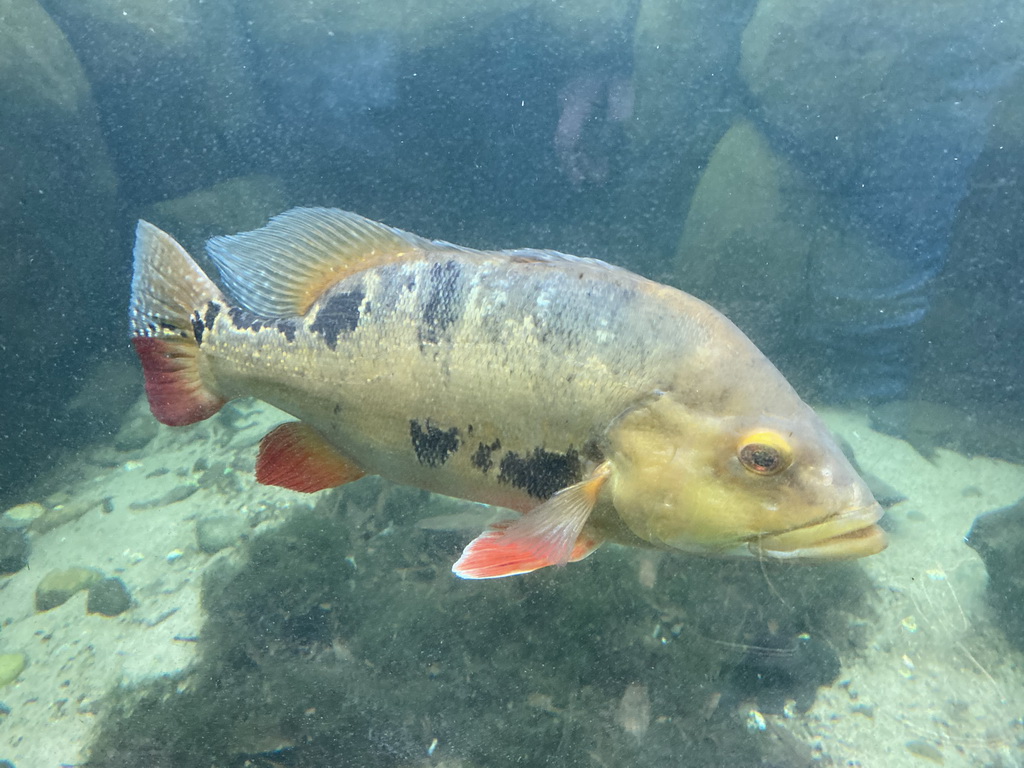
[[551, 534], [297, 457], [177, 395]]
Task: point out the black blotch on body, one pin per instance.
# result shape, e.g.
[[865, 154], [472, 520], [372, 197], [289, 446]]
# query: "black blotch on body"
[[433, 445], [340, 314], [442, 305], [198, 327], [541, 473], [212, 310], [244, 320], [287, 327], [481, 458], [201, 324]]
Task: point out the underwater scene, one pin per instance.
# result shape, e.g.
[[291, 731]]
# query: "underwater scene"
[[471, 384]]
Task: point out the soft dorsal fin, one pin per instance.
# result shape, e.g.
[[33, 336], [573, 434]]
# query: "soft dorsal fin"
[[280, 269]]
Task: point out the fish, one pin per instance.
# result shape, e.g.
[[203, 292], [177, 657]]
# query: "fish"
[[593, 404]]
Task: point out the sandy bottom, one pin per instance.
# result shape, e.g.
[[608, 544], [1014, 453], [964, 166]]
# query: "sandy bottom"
[[935, 682]]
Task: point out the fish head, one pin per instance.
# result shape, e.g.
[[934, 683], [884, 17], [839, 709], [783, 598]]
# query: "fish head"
[[746, 483]]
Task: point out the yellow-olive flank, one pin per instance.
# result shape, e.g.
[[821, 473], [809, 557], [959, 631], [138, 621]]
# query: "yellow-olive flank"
[[597, 404]]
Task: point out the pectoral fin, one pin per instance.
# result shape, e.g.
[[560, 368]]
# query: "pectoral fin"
[[551, 534], [297, 457]]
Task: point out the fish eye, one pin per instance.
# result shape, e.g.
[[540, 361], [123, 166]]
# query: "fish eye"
[[765, 453]]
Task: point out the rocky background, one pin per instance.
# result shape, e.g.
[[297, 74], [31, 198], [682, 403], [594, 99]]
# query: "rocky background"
[[159, 609], [725, 151], [766, 156]]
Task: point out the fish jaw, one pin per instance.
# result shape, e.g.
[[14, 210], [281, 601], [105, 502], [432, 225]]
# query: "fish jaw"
[[848, 535]]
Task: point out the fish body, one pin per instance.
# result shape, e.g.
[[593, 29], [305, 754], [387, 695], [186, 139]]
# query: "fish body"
[[598, 404]]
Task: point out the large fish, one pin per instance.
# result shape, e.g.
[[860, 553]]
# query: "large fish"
[[600, 405]]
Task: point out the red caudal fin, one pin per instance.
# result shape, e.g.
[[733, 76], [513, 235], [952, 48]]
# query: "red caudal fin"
[[297, 457], [551, 534], [173, 385], [171, 296]]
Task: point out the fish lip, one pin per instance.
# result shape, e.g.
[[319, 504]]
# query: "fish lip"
[[849, 534]]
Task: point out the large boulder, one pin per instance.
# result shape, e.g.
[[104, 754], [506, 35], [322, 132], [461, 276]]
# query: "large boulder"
[[762, 242], [175, 86], [58, 196], [979, 362], [887, 107], [688, 93]]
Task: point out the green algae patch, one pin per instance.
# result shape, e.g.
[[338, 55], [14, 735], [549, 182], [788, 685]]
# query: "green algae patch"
[[58, 586], [11, 665]]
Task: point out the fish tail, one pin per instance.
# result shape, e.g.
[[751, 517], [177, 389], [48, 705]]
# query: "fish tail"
[[172, 302]]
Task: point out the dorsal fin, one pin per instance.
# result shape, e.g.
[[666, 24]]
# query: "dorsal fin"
[[280, 269]]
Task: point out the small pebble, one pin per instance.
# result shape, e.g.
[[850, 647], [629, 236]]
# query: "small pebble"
[[173, 496], [11, 665], [925, 749]]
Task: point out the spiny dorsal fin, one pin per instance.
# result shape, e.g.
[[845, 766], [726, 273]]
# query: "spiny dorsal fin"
[[280, 269]]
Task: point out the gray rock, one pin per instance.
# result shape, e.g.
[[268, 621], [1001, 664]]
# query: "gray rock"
[[59, 195], [887, 106], [108, 597], [173, 496], [759, 239], [175, 84], [14, 549], [688, 93], [998, 537], [219, 532], [829, 74]]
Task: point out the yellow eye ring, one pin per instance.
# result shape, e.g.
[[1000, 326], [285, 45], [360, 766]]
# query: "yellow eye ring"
[[765, 453]]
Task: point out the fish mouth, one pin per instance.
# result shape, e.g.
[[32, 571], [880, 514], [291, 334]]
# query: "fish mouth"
[[845, 536]]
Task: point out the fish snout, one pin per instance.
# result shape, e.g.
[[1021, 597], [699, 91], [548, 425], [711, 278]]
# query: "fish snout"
[[847, 535]]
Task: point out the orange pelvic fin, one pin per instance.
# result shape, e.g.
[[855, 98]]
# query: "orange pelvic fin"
[[551, 534], [297, 457]]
